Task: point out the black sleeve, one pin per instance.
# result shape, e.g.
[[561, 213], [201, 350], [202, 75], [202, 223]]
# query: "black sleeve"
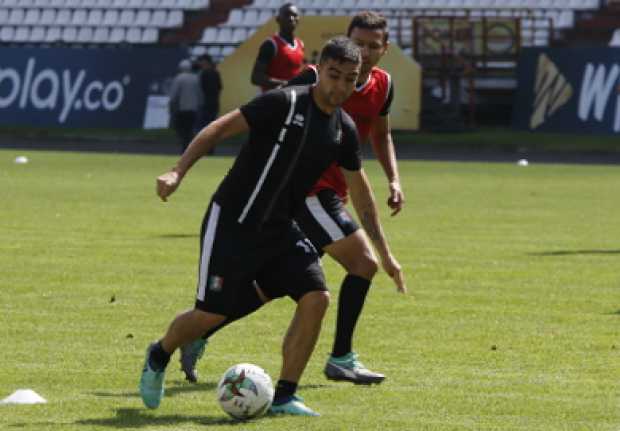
[[266, 52], [388, 102], [266, 110], [351, 155], [305, 77]]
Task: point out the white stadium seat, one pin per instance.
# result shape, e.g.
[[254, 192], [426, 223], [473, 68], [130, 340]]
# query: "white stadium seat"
[[209, 35], [32, 17], [239, 35], [111, 18], [48, 17], [174, 19], [150, 35], [21, 34], [101, 35], [117, 35], [95, 17], [37, 34], [159, 18], [133, 35], [127, 18], [143, 18], [53, 34], [69, 34], [224, 35], [16, 17], [63, 17], [79, 17], [7, 33], [85, 35], [4, 16]]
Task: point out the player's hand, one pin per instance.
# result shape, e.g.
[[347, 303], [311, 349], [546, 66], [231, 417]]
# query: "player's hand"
[[167, 183], [393, 269], [396, 199]]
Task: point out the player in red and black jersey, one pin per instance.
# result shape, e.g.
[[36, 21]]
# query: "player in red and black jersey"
[[324, 218], [281, 57]]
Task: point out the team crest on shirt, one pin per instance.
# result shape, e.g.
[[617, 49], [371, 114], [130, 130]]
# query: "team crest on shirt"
[[298, 120], [216, 283]]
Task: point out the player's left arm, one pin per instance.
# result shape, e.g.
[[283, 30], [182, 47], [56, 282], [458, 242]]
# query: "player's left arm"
[[383, 147], [364, 203]]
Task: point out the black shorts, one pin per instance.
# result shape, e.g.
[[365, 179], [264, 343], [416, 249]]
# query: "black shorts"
[[324, 219], [282, 261]]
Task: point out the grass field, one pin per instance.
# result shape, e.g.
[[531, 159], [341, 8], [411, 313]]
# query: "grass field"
[[512, 321]]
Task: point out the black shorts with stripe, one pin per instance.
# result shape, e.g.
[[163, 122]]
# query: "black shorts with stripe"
[[281, 260], [324, 219]]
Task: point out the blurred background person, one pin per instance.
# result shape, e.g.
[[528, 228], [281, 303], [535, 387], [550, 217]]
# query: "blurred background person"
[[185, 103]]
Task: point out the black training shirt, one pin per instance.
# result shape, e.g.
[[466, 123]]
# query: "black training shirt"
[[291, 143]]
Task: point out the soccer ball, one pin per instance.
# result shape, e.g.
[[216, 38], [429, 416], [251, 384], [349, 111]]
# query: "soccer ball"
[[245, 391]]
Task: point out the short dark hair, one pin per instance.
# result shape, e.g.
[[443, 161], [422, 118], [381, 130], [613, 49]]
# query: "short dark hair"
[[370, 21], [285, 6], [341, 49]]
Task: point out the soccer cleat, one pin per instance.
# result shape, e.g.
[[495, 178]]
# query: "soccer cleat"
[[349, 368], [151, 383], [293, 405], [190, 354]]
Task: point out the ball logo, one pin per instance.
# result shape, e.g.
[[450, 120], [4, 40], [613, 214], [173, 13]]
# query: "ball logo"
[[65, 91]]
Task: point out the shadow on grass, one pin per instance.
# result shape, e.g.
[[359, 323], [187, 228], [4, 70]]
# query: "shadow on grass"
[[573, 252], [172, 389], [140, 417]]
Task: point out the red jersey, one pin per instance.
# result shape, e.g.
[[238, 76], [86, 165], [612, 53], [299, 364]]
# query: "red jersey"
[[288, 60], [369, 101]]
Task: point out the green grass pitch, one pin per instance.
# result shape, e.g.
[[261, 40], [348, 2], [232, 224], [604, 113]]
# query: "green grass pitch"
[[512, 321]]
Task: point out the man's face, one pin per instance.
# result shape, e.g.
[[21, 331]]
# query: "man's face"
[[372, 45], [337, 81], [288, 19]]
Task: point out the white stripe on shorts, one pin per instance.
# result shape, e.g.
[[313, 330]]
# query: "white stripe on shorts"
[[322, 217], [207, 247]]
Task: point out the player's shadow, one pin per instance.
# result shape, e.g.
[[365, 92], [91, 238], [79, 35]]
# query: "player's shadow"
[[176, 235], [139, 418], [172, 389], [573, 252]]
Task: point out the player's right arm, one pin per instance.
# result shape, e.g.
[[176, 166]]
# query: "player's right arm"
[[266, 53], [228, 125]]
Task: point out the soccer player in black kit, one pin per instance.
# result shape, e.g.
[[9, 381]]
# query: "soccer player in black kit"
[[248, 235]]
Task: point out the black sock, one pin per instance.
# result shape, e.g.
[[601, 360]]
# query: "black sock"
[[350, 303], [284, 389], [249, 303], [158, 358]]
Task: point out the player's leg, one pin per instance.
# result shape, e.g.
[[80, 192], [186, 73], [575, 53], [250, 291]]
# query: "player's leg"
[[330, 227], [251, 300], [296, 272]]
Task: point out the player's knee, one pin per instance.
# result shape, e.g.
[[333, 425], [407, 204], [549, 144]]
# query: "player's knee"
[[317, 301], [366, 266]]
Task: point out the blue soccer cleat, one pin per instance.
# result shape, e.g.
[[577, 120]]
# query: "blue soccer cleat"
[[293, 405], [190, 354], [349, 368], [151, 383]]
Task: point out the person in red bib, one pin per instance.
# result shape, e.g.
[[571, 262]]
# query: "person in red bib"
[[281, 57], [324, 219]]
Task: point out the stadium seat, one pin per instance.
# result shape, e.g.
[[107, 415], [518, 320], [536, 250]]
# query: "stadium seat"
[[263, 17], [227, 50], [135, 4], [48, 17], [150, 35], [16, 16], [110, 18], [159, 18], [7, 33], [143, 18], [151, 4], [101, 35], [37, 34], [224, 35], [69, 34], [79, 17], [95, 17], [174, 19], [42, 3], [21, 34], [63, 17], [4, 16], [250, 18], [53, 34], [239, 35], [235, 18], [127, 18], [133, 35], [32, 17], [615, 39], [85, 35], [117, 35], [209, 35]]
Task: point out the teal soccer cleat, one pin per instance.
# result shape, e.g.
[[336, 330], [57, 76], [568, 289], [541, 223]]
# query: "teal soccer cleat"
[[190, 354], [349, 368], [151, 383], [292, 406]]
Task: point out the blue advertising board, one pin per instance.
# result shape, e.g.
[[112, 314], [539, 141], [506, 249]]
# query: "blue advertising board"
[[568, 90], [80, 87]]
